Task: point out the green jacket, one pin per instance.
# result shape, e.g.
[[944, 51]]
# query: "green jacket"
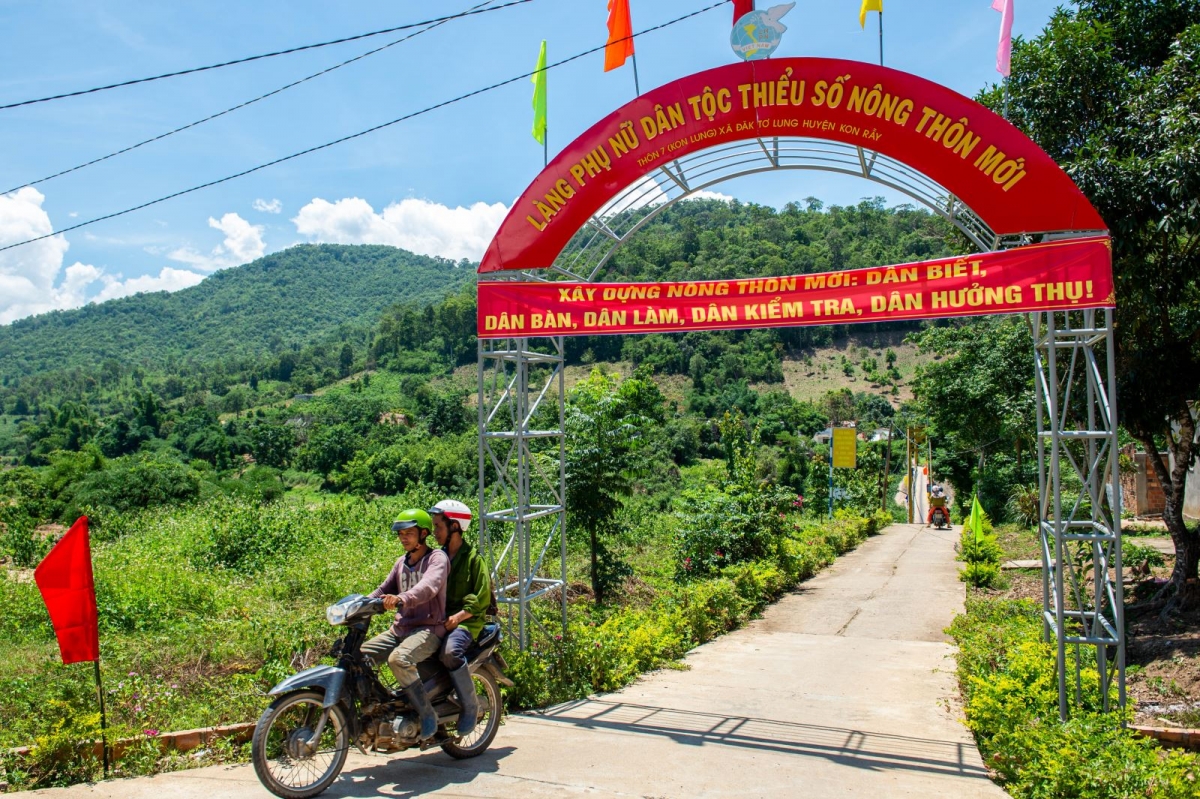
[[469, 588]]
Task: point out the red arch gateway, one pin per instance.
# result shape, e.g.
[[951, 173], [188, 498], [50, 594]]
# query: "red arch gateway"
[[993, 168]]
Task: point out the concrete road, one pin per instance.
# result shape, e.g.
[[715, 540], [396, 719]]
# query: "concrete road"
[[844, 688]]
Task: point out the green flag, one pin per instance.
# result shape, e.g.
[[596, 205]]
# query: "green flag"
[[976, 520], [539, 97]]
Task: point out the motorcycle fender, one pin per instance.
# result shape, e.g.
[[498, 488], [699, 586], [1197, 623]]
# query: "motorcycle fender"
[[497, 675], [328, 679]]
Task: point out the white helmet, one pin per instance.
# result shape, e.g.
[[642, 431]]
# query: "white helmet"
[[453, 509]]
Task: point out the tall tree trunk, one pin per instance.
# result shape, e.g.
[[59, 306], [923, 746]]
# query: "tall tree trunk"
[[1187, 542]]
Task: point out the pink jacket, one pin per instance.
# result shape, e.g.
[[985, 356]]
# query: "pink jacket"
[[422, 589]]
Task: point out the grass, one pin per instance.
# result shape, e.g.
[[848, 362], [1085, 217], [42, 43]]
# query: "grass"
[[204, 607]]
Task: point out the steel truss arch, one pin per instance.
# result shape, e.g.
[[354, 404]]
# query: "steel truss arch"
[[522, 478], [606, 231]]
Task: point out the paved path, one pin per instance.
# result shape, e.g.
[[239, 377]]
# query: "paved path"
[[844, 688]]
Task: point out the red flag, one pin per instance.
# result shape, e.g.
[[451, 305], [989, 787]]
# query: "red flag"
[[65, 579], [620, 35], [740, 8]]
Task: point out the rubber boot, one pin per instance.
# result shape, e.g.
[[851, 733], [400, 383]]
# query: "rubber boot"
[[465, 687], [417, 697]]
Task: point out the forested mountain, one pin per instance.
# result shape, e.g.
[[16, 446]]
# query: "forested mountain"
[[153, 374], [288, 299]]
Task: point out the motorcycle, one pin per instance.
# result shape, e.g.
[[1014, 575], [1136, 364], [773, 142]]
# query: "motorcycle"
[[938, 518], [302, 739]]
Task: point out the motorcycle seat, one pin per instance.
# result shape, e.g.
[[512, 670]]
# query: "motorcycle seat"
[[488, 636]]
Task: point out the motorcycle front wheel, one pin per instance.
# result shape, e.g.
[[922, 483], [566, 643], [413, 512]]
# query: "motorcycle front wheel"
[[286, 763], [487, 694]]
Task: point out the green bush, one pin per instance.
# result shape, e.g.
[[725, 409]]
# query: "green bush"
[[1134, 556], [1007, 675], [980, 575], [18, 538], [982, 554]]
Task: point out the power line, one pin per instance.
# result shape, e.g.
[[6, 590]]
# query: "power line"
[[248, 59], [239, 106], [426, 110]]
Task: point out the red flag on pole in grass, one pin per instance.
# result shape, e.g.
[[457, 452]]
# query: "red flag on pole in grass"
[[741, 8], [65, 579]]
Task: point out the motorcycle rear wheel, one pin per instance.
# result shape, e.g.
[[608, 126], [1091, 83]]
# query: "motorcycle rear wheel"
[[282, 759], [487, 694]]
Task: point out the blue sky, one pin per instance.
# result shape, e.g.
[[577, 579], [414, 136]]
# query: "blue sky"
[[438, 184]]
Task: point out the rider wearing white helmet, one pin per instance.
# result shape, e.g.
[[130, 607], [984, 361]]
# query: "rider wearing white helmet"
[[468, 595]]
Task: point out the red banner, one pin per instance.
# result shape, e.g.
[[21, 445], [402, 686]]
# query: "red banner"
[[1041, 277], [977, 156]]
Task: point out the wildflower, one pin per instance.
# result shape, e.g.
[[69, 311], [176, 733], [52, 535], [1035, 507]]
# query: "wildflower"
[[137, 709], [174, 685], [150, 733], [131, 674]]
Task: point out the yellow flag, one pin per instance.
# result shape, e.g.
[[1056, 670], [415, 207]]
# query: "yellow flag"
[[868, 5], [539, 97]]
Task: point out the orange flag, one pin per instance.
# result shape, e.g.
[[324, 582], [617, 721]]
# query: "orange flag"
[[620, 35]]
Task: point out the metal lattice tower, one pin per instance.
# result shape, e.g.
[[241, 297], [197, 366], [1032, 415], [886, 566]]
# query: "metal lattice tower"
[[522, 507], [1080, 510]]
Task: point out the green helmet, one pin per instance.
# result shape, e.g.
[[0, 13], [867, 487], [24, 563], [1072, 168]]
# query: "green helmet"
[[412, 517]]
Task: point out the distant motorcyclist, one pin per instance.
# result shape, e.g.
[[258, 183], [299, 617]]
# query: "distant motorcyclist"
[[937, 499], [468, 595], [416, 589]]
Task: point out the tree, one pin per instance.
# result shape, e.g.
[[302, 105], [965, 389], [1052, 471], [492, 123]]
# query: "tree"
[[1112, 92], [604, 425], [978, 395]]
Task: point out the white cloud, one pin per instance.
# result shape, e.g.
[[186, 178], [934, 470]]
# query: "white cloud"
[[168, 279], [243, 243], [705, 194], [32, 277], [419, 226], [272, 207]]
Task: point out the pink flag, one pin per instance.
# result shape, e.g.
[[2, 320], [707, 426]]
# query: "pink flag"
[[1004, 51]]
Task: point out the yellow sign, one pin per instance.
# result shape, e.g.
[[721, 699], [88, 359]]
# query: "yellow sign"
[[844, 443]]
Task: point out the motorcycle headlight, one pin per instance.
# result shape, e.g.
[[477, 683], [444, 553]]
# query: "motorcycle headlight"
[[335, 614]]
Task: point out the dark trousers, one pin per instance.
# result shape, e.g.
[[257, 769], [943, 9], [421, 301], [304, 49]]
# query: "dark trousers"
[[455, 646]]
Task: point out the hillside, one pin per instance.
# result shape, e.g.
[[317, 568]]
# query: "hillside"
[[289, 298]]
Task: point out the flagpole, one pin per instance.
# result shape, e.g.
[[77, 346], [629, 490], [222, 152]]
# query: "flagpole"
[[881, 38], [103, 717], [636, 87], [545, 130]]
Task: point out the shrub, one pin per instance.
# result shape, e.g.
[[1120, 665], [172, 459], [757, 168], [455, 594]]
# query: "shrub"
[[982, 554], [1134, 556], [1024, 504], [1007, 675]]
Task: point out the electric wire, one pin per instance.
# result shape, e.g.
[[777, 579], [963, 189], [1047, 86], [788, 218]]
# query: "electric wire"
[[240, 106], [426, 110], [259, 57]]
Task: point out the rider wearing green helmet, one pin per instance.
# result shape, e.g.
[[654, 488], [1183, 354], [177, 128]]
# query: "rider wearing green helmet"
[[416, 588]]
